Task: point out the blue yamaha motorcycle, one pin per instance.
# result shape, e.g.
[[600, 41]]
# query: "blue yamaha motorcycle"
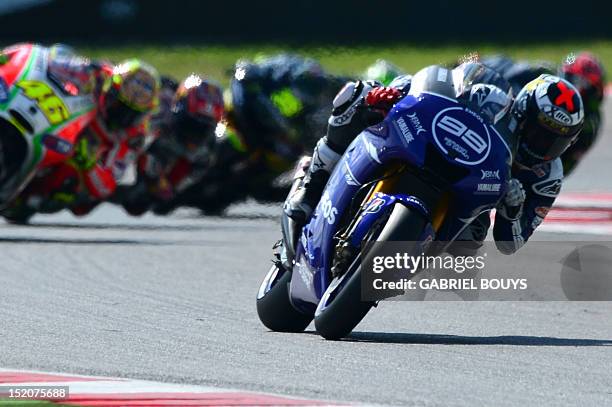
[[438, 160]]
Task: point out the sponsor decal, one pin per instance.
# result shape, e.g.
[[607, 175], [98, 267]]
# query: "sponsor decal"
[[328, 209], [344, 117], [550, 188], [304, 273], [349, 177], [403, 127], [416, 202], [416, 123], [375, 205], [372, 152], [460, 130], [4, 93], [457, 148], [493, 102], [547, 119], [490, 174], [56, 144], [562, 117], [479, 94], [488, 188]]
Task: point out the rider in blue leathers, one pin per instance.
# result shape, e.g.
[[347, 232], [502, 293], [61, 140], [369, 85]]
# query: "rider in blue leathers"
[[544, 119]]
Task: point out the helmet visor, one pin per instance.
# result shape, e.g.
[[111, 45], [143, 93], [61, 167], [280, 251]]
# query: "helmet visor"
[[544, 144], [196, 133], [119, 115]]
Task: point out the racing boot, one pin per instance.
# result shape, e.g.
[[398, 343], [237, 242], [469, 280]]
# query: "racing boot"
[[301, 203], [310, 185], [344, 124]]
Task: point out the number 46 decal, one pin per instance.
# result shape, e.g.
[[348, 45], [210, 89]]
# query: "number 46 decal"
[[49, 103], [469, 137]]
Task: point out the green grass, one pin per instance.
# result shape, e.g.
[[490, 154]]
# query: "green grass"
[[215, 61]]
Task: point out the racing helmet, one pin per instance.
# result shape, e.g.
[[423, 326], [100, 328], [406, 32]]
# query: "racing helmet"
[[197, 108], [587, 74], [382, 71], [129, 93], [61, 51], [548, 115]]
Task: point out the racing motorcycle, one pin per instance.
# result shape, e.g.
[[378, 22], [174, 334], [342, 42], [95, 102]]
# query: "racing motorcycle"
[[41, 117], [416, 177]]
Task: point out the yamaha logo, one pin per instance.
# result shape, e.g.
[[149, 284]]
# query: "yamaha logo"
[[403, 126]]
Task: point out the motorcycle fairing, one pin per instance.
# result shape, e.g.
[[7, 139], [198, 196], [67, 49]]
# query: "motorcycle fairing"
[[418, 128], [48, 118]]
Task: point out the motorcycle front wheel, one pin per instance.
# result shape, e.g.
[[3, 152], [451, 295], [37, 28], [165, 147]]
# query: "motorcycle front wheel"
[[274, 307], [341, 308]]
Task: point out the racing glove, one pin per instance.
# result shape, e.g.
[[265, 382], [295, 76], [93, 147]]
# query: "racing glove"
[[382, 99], [511, 206], [357, 106]]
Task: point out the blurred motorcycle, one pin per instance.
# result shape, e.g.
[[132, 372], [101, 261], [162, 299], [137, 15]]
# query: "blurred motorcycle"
[[41, 117], [276, 110]]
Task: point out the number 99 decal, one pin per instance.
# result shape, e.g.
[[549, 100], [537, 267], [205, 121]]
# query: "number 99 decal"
[[461, 135], [49, 103]]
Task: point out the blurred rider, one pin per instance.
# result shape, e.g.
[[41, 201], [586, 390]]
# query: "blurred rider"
[[584, 71], [545, 118], [184, 131], [273, 106], [126, 94], [587, 74]]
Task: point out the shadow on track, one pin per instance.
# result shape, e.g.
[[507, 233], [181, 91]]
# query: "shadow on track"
[[132, 227], [237, 216], [435, 339], [77, 241], [111, 241], [119, 226]]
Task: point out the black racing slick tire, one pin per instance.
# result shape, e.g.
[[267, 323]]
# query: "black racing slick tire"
[[274, 307], [343, 311], [19, 218]]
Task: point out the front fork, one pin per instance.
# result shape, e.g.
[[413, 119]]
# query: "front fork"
[[379, 201]]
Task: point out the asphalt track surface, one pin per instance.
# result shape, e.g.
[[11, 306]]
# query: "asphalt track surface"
[[173, 299]]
